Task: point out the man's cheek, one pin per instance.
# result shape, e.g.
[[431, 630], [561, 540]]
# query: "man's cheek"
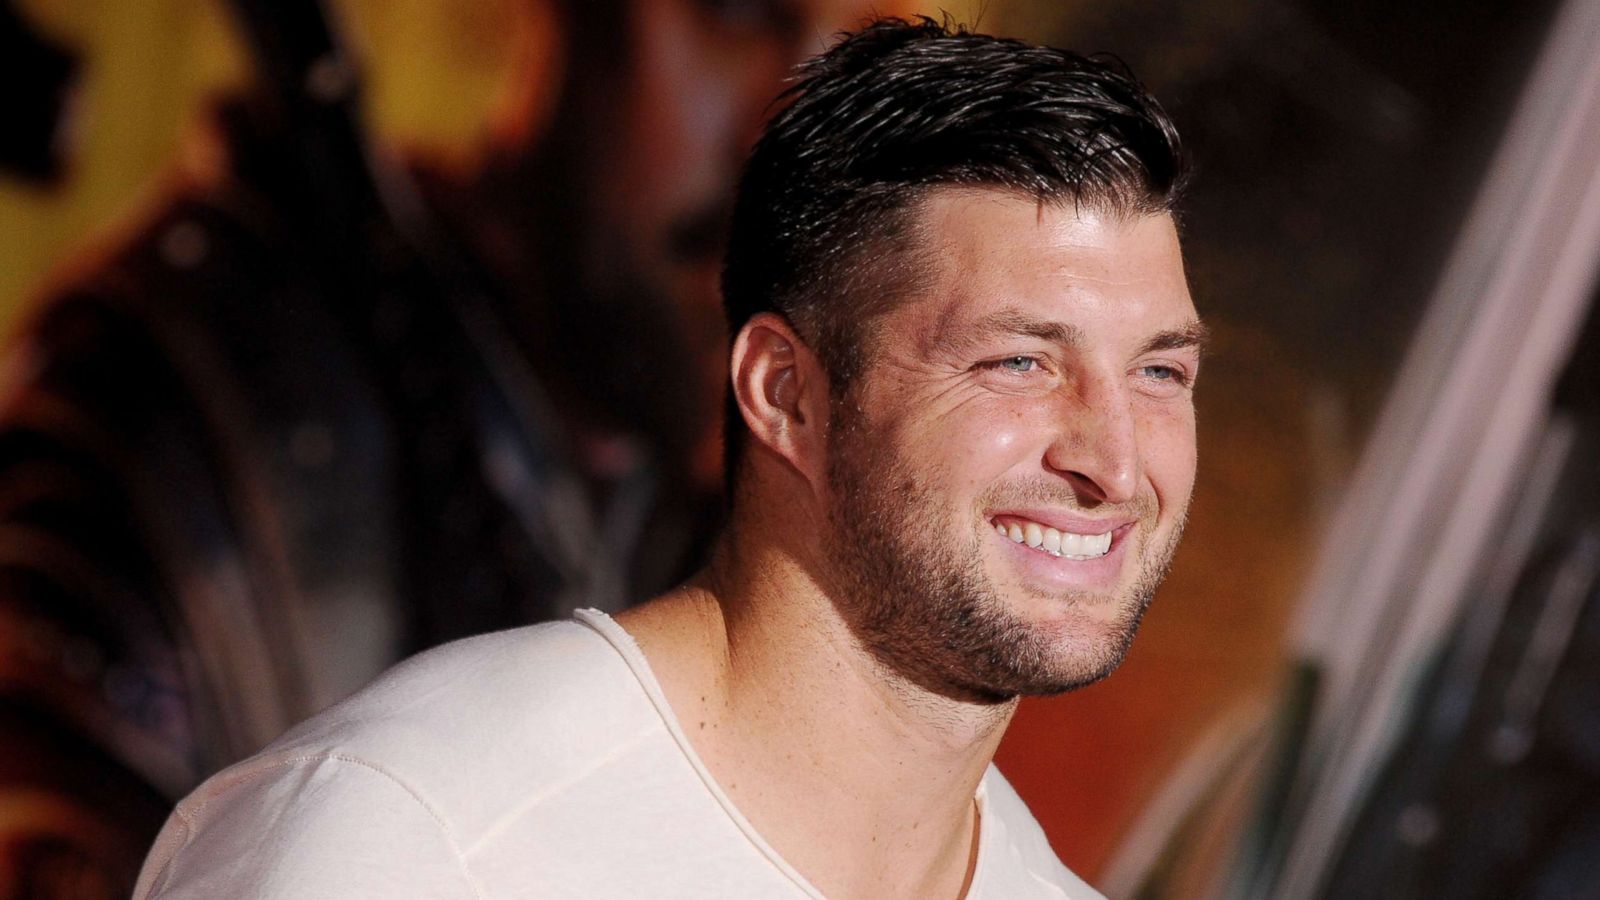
[[1167, 428], [1022, 426], [981, 458], [1170, 459]]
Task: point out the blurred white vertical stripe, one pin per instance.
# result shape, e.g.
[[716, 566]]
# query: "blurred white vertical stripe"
[[1455, 437]]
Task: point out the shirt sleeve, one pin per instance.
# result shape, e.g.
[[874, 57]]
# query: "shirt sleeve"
[[307, 827]]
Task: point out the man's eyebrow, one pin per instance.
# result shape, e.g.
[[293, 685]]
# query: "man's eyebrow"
[[1014, 321], [1193, 334]]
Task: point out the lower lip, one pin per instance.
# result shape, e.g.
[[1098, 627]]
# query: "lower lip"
[[1064, 572]]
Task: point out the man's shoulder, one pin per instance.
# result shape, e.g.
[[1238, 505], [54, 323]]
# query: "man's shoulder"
[[530, 684], [1020, 861], [478, 726]]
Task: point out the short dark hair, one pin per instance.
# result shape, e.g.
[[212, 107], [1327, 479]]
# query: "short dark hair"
[[823, 217]]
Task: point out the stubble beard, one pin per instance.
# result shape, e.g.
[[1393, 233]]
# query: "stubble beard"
[[920, 602]]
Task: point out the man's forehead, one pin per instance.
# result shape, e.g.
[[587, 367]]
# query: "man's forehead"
[[996, 261]]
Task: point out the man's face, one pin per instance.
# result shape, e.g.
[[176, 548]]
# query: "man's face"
[[1011, 472]]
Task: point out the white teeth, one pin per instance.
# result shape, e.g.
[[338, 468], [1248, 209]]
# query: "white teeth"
[[1057, 543], [1073, 544], [1033, 534]]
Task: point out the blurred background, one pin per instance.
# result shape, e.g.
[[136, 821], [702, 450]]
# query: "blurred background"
[[336, 330]]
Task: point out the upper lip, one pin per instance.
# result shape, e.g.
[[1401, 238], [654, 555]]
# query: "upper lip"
[[1065, 521]]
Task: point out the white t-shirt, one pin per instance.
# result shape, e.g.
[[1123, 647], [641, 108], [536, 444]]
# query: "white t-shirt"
[[538, 762]]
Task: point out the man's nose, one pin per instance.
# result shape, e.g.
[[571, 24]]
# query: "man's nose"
[[1096, 445]]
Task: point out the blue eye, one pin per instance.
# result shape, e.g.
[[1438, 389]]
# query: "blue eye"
[[1019, 364], [1166, 374]]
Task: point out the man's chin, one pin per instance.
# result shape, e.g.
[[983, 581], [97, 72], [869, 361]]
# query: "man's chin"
[[1087, 648], [1065, 639]]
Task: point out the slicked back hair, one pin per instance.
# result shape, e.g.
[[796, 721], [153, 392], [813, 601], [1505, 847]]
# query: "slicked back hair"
[[823, 228]]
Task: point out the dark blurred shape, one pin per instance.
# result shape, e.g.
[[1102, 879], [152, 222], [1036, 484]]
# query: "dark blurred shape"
[[37, 102], [328, 410], [70, 813]]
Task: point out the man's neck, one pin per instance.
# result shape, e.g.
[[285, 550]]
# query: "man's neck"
[[861, 780]]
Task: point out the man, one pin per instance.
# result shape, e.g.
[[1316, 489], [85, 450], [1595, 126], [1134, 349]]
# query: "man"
[[962, 445]]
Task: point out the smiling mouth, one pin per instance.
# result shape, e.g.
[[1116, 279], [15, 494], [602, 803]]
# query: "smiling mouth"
[[1051, 542]]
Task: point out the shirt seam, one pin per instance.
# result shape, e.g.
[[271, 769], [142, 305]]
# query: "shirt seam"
[[505, 819], [634, 658], [1055, 888], [413, 793]]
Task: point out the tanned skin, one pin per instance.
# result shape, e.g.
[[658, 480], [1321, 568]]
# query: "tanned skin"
[[1044, 372]]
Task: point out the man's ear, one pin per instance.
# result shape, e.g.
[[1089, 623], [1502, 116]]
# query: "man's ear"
[[782, 393]]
